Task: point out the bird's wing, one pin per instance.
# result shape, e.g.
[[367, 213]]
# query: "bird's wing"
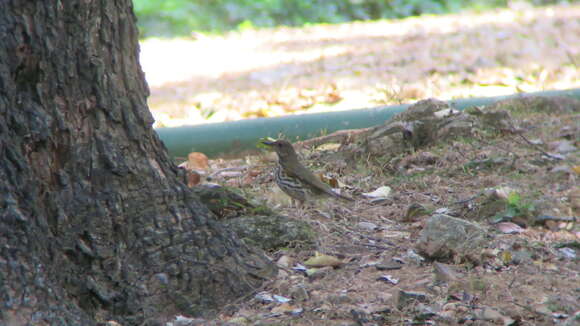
[[308, 177], [304, 175]]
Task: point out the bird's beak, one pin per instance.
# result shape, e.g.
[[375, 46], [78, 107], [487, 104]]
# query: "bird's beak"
[[268, 143]]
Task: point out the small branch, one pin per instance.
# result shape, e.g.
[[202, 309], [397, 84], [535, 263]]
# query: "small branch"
[[538, 148], [236, 168], [340, 136]]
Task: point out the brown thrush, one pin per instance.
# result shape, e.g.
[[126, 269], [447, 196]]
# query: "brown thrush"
[[295, 179]]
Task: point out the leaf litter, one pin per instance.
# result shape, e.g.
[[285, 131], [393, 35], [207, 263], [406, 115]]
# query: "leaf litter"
[[274, 72], [517, 179], [509, 254]]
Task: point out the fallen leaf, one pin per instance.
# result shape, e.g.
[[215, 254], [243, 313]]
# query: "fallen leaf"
[[506, 257], [193, 178], [381, 192], [509, 228], [503, 192], [321, 260], [281, 299], [389, 279], [333, 182], [367, 226], [328, 147], [264, 297], [284, 308], [196, 161]]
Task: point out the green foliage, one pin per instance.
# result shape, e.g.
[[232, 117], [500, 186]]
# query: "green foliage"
[[516, 206], [181, 17]]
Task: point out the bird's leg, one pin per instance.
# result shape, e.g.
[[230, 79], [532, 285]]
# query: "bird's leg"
[[302, 207], [295, 203]]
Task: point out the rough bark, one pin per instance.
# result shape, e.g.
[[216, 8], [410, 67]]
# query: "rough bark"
[[95, 221]]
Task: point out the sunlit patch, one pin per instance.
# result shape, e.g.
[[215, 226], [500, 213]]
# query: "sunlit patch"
[[274, 72]]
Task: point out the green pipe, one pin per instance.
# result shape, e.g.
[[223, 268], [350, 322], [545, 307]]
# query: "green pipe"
[[236, 137]]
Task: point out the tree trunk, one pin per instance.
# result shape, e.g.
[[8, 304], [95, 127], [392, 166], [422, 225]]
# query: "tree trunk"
[[95, 221]]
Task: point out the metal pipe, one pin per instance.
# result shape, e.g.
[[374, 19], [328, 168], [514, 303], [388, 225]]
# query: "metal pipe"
[[236, 137]]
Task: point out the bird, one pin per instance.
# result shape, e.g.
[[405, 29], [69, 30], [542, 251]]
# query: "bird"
[[295, 179]]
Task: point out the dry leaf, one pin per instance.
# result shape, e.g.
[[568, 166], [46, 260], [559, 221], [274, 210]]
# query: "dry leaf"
[[506, 257], [381, 192], [321, 260], [328, 147], [503, 192], [509, 228], [389, 279], [284, 308], [193, 178], [333, 182], [197, 161]]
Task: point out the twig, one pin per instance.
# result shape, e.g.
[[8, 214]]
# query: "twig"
[[235, 168], [468, 199], [532, 144], [337, 136], [538, 148], [530, 309]]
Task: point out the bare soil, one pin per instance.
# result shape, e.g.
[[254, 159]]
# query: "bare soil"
[[520, 278], [530, 277], [281, 71]]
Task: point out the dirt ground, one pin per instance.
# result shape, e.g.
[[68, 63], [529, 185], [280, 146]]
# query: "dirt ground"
[[282, 71], [527, 273]]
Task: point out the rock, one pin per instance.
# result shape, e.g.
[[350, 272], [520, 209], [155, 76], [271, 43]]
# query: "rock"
[[239, 321], [414, 211], [318, 273], [185, 321], [285, 261], [361, 317], [388, 265], [423, 123], [493, 315], [299, 293], [521, 256], [412, 257], [337, 299], [444, 273], [562, 146], [562, 169], [388, 279], [367, 226], [284, 308], [270, 232], [573, 320], [495, 118], [419, 159], [567, 253], [225, 203], [446, 237], [425, 312], [405, 298]]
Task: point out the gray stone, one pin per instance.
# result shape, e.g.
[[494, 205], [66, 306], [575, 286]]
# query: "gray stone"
[[447, 237], [270, 232], [299, 293], [405, 298]]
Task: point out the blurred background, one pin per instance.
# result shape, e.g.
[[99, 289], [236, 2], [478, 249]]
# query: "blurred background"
[[172, 18], [219, 60]]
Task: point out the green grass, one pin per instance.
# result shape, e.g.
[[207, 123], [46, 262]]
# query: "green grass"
[[172, 18]]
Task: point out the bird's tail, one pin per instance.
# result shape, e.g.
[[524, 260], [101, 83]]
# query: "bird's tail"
[[345, 198]]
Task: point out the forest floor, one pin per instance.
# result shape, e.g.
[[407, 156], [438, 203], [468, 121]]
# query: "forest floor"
[[375, 272], [272, 72], [385, 262]]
